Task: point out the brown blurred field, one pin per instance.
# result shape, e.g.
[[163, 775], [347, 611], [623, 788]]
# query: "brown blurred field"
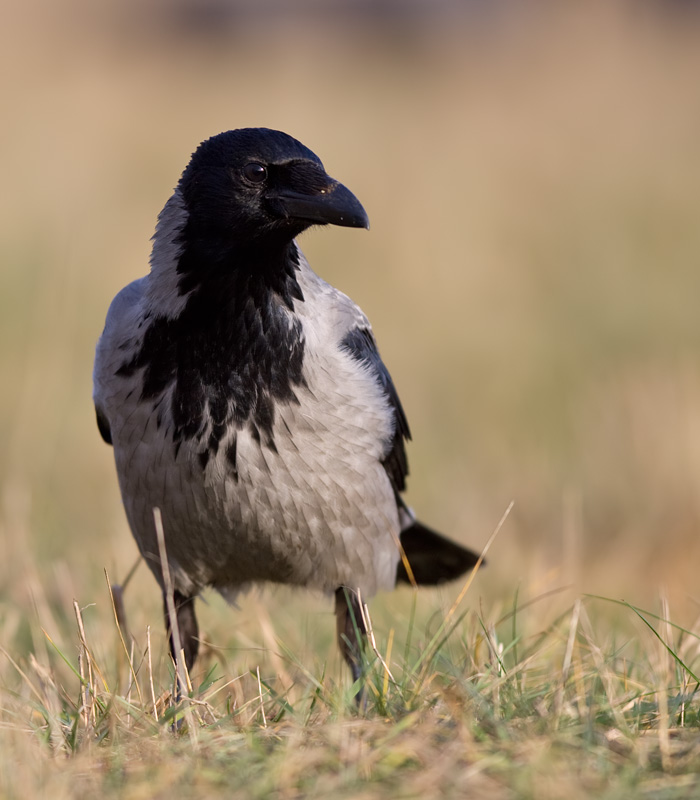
[[532, 274]]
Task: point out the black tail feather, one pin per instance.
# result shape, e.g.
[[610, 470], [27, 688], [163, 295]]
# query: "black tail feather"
[[433, 558]]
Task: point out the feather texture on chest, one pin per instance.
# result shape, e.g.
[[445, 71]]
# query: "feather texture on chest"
[[232, 353]]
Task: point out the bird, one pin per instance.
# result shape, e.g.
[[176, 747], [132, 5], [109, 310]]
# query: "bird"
[[245, 398]]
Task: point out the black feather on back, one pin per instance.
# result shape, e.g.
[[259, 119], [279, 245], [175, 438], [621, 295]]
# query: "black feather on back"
[[361, 344]]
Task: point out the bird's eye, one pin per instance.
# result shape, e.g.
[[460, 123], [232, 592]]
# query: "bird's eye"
[[255, 172]]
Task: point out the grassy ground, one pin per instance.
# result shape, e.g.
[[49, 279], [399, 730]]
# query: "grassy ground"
[[531, 273], [460, 702]]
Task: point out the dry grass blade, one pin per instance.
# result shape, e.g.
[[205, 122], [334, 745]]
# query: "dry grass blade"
[[439, 634], [367, 622], [260, 695], [86, 671], [480, 561], [182, 679], [150, 672], [121, 627], [568, 656]]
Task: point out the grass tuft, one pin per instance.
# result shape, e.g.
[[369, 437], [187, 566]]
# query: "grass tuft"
[[502, 704]]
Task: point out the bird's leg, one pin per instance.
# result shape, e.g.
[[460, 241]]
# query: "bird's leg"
[[351, 631], [187, 628]]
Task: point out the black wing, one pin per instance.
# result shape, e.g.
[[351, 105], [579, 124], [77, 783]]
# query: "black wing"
[[103, 425], [360, 343]]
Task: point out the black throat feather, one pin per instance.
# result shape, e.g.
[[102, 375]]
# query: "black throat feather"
[[234, 350]]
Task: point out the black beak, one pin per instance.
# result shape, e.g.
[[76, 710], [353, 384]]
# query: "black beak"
[[332, 205]]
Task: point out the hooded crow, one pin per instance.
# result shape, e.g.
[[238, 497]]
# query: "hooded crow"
[[246, 399]]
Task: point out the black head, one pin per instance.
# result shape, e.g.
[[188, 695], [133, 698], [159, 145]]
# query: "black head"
[[258, 184]]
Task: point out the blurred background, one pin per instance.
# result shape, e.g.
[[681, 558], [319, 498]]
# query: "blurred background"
[[532, 175]]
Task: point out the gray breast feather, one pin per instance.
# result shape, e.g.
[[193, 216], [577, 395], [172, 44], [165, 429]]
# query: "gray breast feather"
[[318, 511]]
